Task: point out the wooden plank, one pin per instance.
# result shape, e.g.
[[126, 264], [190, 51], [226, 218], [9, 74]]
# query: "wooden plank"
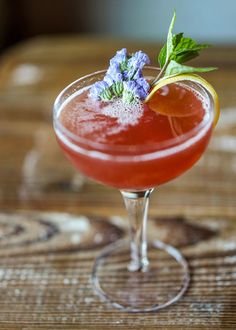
[[46, 280]]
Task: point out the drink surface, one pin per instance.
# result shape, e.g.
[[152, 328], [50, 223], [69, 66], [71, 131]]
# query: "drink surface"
[[116, 124], [134, 130]]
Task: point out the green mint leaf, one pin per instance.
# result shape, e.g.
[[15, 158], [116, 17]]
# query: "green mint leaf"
[[185, 56], [185, 49], [168, 47], [177, 39], [162, 56], [175, 68], [177, 50], [186, 44], [169, 42]]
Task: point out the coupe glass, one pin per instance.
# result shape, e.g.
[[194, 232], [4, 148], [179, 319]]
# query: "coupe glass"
[[124, 274]]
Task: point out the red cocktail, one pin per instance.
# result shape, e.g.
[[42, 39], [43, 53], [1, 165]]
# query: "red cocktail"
[[135, 147]]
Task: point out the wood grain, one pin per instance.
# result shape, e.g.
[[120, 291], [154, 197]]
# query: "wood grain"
[[53, 221]]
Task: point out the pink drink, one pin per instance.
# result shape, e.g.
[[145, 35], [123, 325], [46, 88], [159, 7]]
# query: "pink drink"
[[133, 147]]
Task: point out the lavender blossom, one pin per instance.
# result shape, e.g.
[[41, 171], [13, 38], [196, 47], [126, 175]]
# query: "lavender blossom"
[[100, 90], [131, 86], [142, 82], [142, 93], [109, 80], [135, 65], [113, 75], [114, 70], [138, 60], [97, 88], [121, 56], [131, 91], [115, 80], [123, 77], [133, 74], [135, 89]]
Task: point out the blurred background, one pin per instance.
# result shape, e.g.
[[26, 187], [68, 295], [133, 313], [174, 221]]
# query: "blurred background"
[[206, 20]]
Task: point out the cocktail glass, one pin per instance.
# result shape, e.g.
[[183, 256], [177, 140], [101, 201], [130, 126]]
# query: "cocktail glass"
[[124, 274]]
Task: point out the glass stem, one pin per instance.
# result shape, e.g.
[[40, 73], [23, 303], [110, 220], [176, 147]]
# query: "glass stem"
[[137, 207]]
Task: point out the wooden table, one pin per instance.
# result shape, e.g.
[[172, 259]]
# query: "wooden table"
[[53, 222]]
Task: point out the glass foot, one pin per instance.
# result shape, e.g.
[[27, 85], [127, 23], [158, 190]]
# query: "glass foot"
[[162, 284]]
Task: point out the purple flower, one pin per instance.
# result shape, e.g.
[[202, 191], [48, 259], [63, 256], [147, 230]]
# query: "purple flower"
[[112, 76], [131, 86], [123, 77], [138, 60], [144, 84], [97, 88], [142, 93], [131, 91], [133, 73], [108, 79], [113, 69], [121, 56], [101, 91], [135, 89], [143, 88]]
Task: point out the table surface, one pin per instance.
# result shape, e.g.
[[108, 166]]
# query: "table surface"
[[54, 222]]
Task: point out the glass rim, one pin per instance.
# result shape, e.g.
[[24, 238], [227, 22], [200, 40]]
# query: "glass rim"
[[84, 143]]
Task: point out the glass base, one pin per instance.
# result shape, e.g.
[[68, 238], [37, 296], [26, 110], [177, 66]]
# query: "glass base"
[[162, 284]]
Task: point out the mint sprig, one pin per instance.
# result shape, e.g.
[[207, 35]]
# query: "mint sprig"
[[176, 51], [174, 68], [169, 42]]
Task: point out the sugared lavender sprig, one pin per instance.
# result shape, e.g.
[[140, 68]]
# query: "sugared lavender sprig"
[[123, 78]]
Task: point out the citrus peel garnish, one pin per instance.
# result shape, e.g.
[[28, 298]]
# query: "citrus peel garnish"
[[189, 77]]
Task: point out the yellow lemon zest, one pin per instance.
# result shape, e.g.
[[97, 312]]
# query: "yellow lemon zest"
[[189, 77]]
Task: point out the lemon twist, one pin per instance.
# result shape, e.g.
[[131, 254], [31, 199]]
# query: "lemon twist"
[[189, 77]]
